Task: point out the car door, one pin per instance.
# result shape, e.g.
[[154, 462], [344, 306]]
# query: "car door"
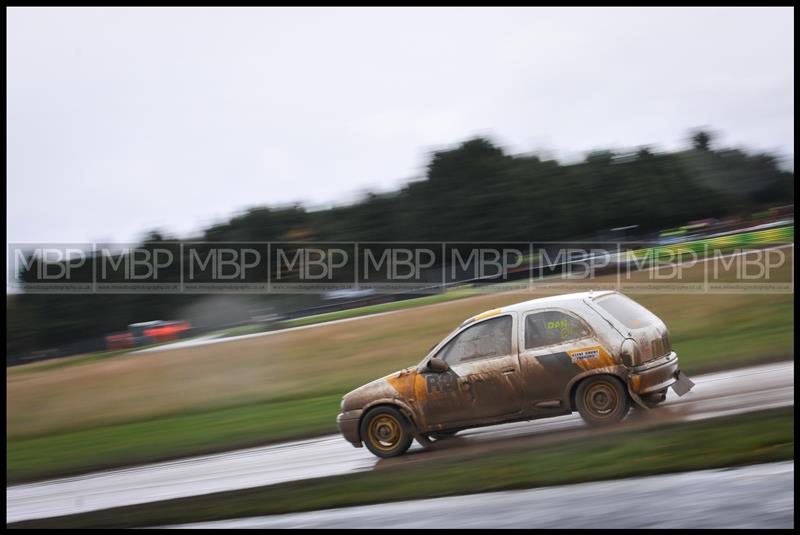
[[555, 346], [483, 382]]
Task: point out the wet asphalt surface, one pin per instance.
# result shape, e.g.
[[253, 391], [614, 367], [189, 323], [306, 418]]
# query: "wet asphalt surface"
[[758, 496]]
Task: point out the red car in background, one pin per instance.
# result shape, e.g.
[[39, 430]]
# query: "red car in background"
[[148, 332]]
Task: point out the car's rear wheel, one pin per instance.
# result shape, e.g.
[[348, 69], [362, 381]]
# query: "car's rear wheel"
[[386, 432], [602, 400]]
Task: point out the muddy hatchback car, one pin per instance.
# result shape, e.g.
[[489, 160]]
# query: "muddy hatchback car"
[[597, 353]]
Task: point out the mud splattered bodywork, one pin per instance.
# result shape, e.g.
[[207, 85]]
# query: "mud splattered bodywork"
[[525, 361]]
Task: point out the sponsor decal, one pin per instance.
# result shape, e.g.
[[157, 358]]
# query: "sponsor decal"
[[584, 354]]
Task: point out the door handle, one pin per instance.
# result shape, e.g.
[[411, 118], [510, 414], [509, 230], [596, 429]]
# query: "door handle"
[[507, 371]]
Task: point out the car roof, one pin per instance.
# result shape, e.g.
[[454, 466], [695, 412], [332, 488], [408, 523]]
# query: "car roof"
[[540, 302]]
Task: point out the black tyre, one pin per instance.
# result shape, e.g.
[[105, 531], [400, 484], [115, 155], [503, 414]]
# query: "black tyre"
[[652, 400], [602, 400], [386, 432], [441, 435]]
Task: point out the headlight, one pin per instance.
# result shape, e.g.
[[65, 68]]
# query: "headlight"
[[631, 355]]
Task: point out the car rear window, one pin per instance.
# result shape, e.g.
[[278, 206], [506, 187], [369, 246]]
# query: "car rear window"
[[552, 327], [630, 313]]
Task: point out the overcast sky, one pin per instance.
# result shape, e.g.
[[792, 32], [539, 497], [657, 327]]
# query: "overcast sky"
[[124, 120]]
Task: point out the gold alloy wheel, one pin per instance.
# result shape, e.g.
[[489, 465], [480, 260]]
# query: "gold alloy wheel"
[[384, 432], [601, 398]]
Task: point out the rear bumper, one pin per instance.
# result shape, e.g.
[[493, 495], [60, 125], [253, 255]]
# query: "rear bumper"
[[347, 422], [654, 376]]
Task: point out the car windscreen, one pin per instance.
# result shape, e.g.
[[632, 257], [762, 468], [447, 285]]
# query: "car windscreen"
[[630, 313]]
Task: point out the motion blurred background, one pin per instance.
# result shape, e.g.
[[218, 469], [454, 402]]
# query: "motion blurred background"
[[144, 126], [473, 192]]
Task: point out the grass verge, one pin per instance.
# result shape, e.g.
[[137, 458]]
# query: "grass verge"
[[730, 441], [171, 437]]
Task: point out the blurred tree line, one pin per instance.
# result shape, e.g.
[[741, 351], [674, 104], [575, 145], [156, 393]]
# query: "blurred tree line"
[[472, 192]]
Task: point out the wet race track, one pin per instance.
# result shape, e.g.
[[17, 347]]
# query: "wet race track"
[[705, 499], [718, 394]]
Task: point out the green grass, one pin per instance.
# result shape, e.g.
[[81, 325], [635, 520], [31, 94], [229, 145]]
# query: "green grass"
[[745, 439], [170, 437], [727, 332], [753, 335]]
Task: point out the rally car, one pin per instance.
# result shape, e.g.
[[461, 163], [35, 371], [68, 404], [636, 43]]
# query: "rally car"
[[592, 352]]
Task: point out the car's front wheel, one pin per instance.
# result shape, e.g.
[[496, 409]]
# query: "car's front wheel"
[[602, 400], [386, 432], [652, 401], [442, 435]]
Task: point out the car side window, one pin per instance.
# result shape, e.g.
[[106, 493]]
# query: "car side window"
[[552, 327], [490, 338]]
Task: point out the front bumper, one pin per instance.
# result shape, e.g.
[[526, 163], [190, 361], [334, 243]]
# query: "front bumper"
[[347, 422], [656, 375]]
